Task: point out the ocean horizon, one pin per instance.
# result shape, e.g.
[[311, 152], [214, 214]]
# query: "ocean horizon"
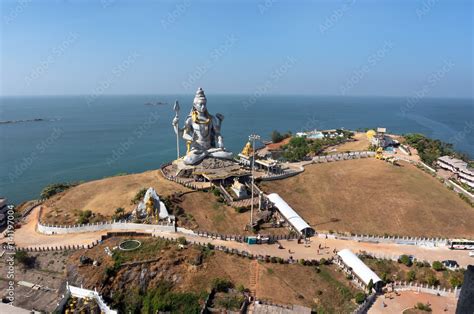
[[87, 137]]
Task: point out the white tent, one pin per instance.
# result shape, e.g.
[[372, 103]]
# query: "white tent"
[[290, 215], [362, 271]]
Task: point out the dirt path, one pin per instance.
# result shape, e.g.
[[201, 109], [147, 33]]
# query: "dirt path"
[[27, 236]]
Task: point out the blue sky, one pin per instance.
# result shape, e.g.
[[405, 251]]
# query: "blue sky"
[[387, 48]]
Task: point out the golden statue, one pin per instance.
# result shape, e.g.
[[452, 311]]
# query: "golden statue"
[[150, 207], [247, 151]]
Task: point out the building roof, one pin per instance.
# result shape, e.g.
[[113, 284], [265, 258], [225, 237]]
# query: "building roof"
[[358, 267], [290, 215], [457, 163]]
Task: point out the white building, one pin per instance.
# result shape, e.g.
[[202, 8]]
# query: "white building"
[[363, 274], [291, 216], [459, 168]]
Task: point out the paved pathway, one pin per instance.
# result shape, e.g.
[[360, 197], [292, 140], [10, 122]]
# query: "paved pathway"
[[27, 236], [407, 299]]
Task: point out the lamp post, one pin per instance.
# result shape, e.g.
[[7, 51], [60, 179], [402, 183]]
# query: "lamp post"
[[253, 138]]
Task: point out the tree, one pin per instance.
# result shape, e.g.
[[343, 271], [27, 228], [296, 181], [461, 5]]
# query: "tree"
[[139, 196], [221, 285], [411, 275], [84, 217], [406, 260], [360, 297], [25, 259], [370, 285], [455, 282], [276, 136], [54, 189]]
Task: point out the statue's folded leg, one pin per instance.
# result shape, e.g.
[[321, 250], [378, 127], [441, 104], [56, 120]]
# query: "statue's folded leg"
[[221, 154], [193, 157]]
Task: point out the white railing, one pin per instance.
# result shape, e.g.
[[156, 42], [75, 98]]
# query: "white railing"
[[93, 294], [405, 240], [425, 288], [105, 226]]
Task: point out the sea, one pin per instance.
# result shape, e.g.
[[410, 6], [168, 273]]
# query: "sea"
[[80, 138]]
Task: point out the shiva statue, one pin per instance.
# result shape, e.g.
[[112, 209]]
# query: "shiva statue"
[[202, 132]]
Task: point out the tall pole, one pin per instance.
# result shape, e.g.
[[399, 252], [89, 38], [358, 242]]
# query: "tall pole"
[[176, 110], [253, 137]]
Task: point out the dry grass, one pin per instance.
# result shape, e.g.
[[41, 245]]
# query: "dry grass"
[[361, 143], [210, 215], [371, 196], [105, 195], [280, 283]]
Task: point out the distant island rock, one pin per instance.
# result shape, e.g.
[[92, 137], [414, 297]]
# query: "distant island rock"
[[158, 103], [21, 121]]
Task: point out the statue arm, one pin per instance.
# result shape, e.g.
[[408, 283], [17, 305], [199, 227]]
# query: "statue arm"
[[187, 131], [217, 121]]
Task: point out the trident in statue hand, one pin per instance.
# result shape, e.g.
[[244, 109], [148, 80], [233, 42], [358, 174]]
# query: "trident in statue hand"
[[176, 118]]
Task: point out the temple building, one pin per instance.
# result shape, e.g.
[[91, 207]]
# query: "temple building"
[[459, 168]]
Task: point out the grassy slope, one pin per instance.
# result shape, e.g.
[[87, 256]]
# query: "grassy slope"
[[371, 196], [105, 195], [285, 284]]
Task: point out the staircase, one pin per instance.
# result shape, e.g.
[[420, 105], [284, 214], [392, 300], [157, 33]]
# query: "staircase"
[[253, 278]]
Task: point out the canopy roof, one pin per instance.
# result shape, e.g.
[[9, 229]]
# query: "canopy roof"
[[290, 215], [358, 267]]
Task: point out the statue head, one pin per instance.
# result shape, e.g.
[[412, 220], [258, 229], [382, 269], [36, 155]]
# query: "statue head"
[[200, 101]]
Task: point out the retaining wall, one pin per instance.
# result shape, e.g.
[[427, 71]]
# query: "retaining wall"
[[104, 226]]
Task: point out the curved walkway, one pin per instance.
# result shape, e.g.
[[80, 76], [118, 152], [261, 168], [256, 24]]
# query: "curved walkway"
[[27, 236]]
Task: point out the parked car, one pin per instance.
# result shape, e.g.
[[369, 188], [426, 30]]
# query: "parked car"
[[471, 253], [450, 263]]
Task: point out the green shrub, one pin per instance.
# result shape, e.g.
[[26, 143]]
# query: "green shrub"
[[423, 307], [405, 259], [119, 213], [241, 209], [221, 285], [139, 196], [411, 275], [84, 216], [182, 241], [455, 282], [432, 280], [55, 188], [216, 192], [360, 297], [26, 260], [438, 266]]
